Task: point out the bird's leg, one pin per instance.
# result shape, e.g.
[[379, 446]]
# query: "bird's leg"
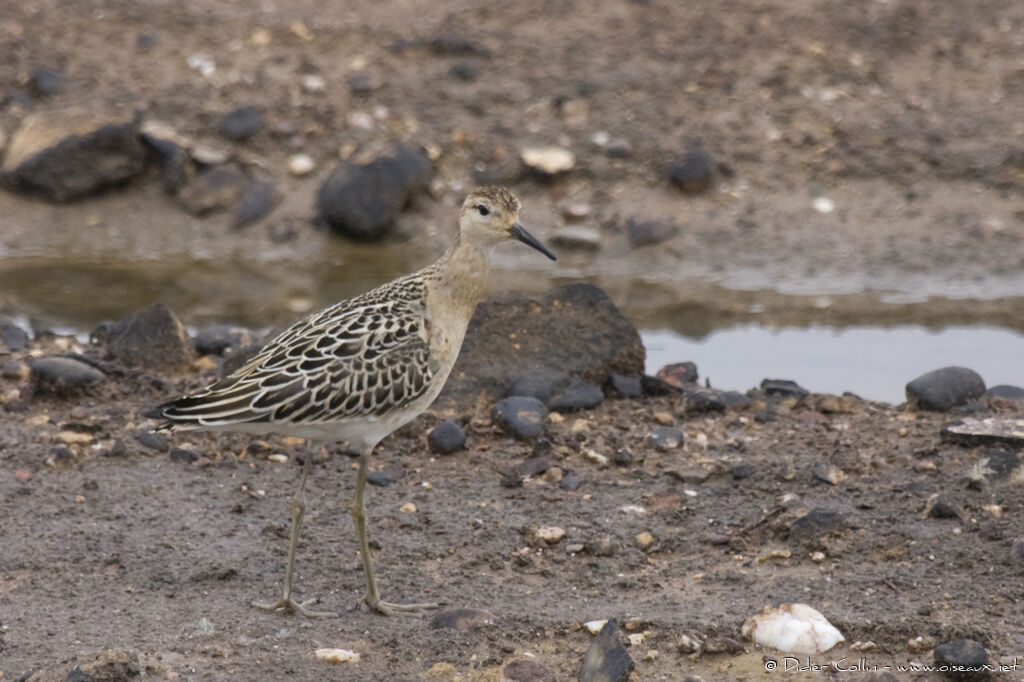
[[372, 597], [286, 603]]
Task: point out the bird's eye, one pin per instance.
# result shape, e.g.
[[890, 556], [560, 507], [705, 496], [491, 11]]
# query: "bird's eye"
[[483, 209]]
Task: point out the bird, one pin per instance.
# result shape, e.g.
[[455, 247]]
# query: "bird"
[[360, 369]]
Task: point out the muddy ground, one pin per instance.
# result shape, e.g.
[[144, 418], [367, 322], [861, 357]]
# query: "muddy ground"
[[905, 114]]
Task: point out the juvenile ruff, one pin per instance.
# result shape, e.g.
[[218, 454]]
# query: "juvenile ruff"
[[362, 368]]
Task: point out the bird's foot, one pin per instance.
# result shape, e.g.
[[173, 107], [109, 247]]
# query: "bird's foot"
[[289, 605], [389, 609]]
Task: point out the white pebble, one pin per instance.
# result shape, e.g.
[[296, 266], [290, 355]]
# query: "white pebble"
[[312, 83], [301, 164], [596, 457], [633, 509], [792, 629], [824, 205], [595, 626], [280, 459], [550, 534], [337, 656], [203, 63], [549, 160]]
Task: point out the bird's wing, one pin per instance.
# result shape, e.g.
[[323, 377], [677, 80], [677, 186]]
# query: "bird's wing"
[[359, 358]]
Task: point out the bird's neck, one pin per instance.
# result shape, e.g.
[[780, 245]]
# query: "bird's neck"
[[462, 272]]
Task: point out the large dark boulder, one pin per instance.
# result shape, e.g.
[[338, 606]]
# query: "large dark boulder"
[[68, 154], [943, 389], [361, 201], [574, 329]]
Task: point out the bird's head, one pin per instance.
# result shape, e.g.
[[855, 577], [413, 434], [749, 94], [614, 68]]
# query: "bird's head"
[[490, 215]]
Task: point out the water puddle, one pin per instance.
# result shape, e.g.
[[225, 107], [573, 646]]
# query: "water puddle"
[[872, 362]]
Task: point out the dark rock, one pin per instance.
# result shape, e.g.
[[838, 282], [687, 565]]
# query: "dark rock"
[[570, 482], [363, 82], [974, 431], [153, 441], [152, 337], [606, 660], [241, 124], [47, 82], [118, 449], [603, 546], [12, 336], [461, 619], [703, 400], [743, 470], [532, 467], [175, 163], [647, 232], [146, 40], [693, 172], [464, 71], [63, 375], [818, 523], [629, 386], [783, 388], [622, 457], [656, 387], [451, 44], [526, 671], [14, 369], [576, 395], [258, 197], [108, 666], [386, 476], [521, 417], [764, 417], [944, 389], [665, 438], [692, 475], [362, 201], [942, 507], [966, 654], [219, 338], [1006, 392], [828, 473], [446, 438], [619, 149], [183, 455], [71, 153], [215, 189], [578, 237], [678, 374], [997, 467], [1017, 549], [735, 399], [539, 384], [573, 329]]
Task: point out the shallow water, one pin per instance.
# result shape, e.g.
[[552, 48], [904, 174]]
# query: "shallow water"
[[872, 362]]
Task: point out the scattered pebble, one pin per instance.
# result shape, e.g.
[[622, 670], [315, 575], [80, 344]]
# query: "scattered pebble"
[[579, 237], [817, 557], [337, 656], [792, 629], [1006, 392], [973, 431], [596, 457], [627, 385], [1017, 549], [550, 534], [575, 211], [153, 441], [209, 153], [241, 124], [74, 437], [313, 83], [214, 189], [220, 338], [540, 384], [824, 205], [967, 654], [461, 619], [257, 199], [693, 172], [664, 418], [577, 395], [548, 160], [595, 626], [607, 659], [279, 458], [678, 374], [943, 389], [63, 375], [47, 82], [446, 438], [301, 164], [940, 506], [603, 546], [12, 336], [526, 671], [521, 417], [783, 388], [203, 63], [649, 232], [408, 508], [665, 438], [618, 149], [829, 473], [644, 539], [570, 482]]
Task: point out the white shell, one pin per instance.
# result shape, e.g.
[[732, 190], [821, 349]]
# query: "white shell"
[[792, 629]]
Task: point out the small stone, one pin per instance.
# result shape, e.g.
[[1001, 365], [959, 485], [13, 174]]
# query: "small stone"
[[1017, 549], [622, 457], [241, 124], [74, 437], [258, 198], [362, 201], [146, 40], [526, 671], [829, 473], [974, 431], [301, 164], [446, 438], [221, 338], [783, 388], [574, 548], [153, 441], [464, 71], [693, 172], [678, 374], [461, 619], [966, 654], [210, 153], [648, 232], [63, 375], [817, 557], [363, 82], [408, 508], [943, 389], [618, 149], [313, 83], [539, 384], [595, 626], [576, 210], [215, 189], [1006, 392], [548, 160], [603, 546], [607, 659], [703, 400], [336, 656], [940, 506], [823, 205], [665, 438], [577, 395], [628, 386], [635, 639], [579, 237], [47, 82], [570, 482], [152, 337], [12, 336], [596, 457], [521, 417], [817, 524], [550, 534], [386, 476], [260, 37], [664, 418], [644, 539], [183, 455], [15, 370]]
